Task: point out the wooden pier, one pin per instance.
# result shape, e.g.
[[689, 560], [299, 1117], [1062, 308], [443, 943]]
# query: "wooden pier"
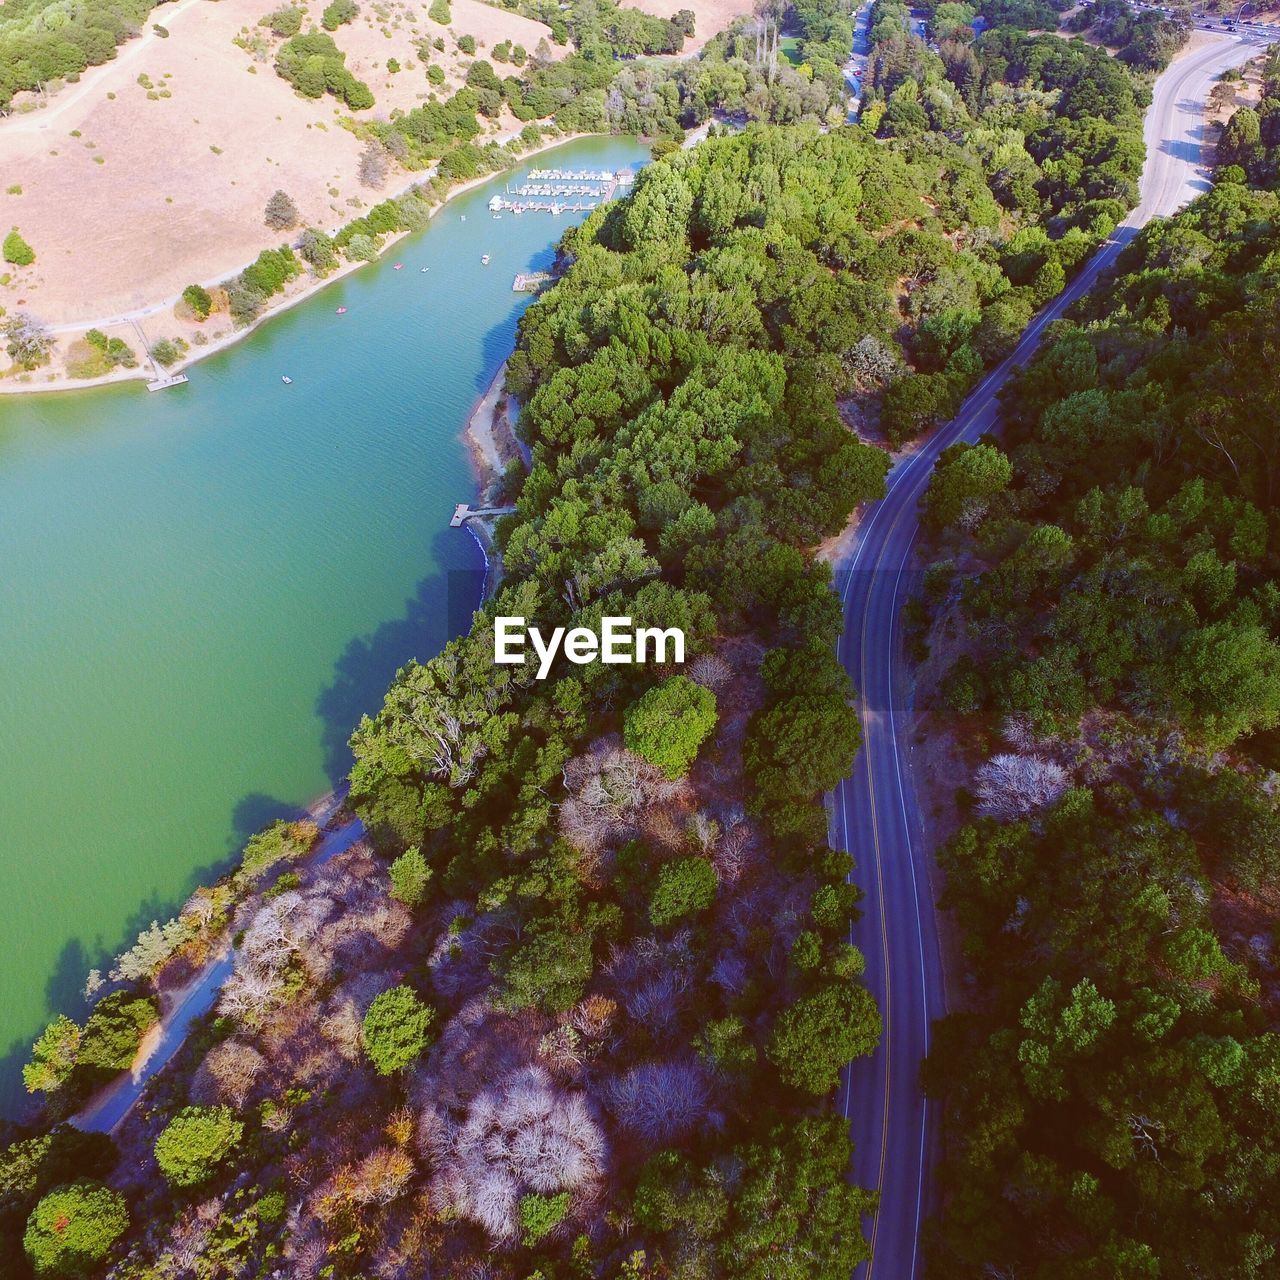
[[169, 380]]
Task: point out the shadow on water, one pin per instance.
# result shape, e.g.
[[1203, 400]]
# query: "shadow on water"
[[440, 608], [499, 341]]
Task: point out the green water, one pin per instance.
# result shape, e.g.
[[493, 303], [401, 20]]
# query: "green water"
[[203, 588]]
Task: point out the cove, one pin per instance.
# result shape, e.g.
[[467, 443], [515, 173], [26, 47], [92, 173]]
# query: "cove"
[[204, 588]]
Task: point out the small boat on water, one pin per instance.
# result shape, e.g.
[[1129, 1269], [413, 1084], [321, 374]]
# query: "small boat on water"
[[484, 259], [342, 311], [398, 266], [425, 270], [284, 377]]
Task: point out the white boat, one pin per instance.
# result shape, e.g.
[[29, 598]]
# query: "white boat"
[[284, 377], [484, 259]]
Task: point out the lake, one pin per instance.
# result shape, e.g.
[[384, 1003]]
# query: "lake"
[[205, 587]]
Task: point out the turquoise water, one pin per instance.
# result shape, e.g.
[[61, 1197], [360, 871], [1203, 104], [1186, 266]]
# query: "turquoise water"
[[203, 588]]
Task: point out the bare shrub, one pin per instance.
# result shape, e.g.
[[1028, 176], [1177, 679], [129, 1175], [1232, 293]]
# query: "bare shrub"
[[594, 1017], [661, 1101], [228, 1073], [374, 163], [524, 1135], [608, 789], [1013, 786], [729, 857], [711, 671]]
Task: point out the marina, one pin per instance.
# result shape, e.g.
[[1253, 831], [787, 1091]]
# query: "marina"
[[558, 191]]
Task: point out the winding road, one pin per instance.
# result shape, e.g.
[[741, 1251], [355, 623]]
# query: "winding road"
[[875, 812]]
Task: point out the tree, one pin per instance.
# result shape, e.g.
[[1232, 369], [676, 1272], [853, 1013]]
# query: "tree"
[[285, 21], [53, 1056], [73, 1228], [195, 1142], [821, 1033], [198, 299], [17, 251], [668, 724], [337, 13], [966, 477], [27, 341], [397, 1029], [686, 887], [1013, 786], [409, 877], [541, 1215], [281, 213], [115, 1029], [374, 162]]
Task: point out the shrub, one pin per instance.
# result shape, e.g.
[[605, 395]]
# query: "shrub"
[[281, 213], [396, 1029], [467, 44], [668, 724], [277, 842], [166, 352], [362, 248], [195, 1142], [409, 876], [435, 74], [17, 250], [73, 1228], [541, 1215], [337, 13], [286, 21], [685, 887], [440, 12], [197, 297], [27, 341]]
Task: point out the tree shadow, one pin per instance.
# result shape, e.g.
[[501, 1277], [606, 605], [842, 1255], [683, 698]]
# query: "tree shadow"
[[439, 609]]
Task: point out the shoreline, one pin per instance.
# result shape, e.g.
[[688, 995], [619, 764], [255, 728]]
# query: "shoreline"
[[309, 287]]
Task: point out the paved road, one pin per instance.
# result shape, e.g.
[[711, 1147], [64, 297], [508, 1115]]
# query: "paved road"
[[875, 811]]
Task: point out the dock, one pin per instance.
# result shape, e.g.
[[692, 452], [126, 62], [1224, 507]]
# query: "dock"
[[530, 281], [169, 380], [557, 191], [464, 512]]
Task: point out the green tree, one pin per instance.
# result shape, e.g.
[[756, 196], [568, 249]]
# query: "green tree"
[[17, 251], [397, 1028], [281, 213], [71, 1231], [409, 877], [668, 724], [541, 1215], [440, 12], [821, 1033], [337, 13], [685, 887], [53, 1056], [195, 1143], [197, 298], [966, 477]]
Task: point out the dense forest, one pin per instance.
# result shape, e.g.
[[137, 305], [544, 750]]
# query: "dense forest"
[[43, 40], [583, 1010], [1107, 592]]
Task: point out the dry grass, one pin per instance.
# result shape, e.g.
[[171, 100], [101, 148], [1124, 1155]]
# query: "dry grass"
[[129, 193]]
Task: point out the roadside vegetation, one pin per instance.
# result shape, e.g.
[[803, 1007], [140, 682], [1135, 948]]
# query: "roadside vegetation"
[[1106, 587]]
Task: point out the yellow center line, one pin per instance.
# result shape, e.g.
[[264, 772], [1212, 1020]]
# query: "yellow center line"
[[884, 929]]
